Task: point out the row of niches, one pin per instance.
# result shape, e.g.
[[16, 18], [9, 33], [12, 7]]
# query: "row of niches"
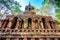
[[29, 24], [29, 30], [29, 38]]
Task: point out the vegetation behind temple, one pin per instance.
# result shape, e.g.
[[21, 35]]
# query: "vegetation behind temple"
[[10, 5], [56, 4]]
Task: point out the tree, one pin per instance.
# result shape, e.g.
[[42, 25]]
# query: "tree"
[[45, 10], [36, 10], [56, 4], [57, 14], [10, 5]]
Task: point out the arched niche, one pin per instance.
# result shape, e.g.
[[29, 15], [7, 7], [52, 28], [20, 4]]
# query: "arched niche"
[[50, 22], [29, 22], [36, 23], [14, 22], [22, 23], [43, 21], [6, 23]]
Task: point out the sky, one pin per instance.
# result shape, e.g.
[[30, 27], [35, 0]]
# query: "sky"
[[35, 3]]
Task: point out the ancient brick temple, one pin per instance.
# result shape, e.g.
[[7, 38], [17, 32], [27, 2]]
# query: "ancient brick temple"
[[29, 26]]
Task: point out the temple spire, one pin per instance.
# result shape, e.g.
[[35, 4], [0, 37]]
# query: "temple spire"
[[29, 4], [29, 8]]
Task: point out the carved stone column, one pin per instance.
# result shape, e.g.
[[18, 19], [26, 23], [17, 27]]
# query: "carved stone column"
[[17, 24], [22, 24], [10, 23], [55, 25], [42, 25], [39, 24], [47, 24], [1, 23], [5, 25], [33, 25], [25, 23]]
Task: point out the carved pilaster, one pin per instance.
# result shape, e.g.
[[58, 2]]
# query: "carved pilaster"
[[42, 25], [47, 25], [39, 24], [25, 23], [33, 24], [55, 25], [36, 23], [10, 23], [1, 22], [5, 25], [22, 24], [17, 24]]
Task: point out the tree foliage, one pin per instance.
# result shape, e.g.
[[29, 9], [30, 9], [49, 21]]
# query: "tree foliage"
[[56, 4], [45, 10], [11, 5], [36, 10]]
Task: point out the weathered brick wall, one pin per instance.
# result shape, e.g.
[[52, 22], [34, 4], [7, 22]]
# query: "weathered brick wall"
[[35, 22]]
